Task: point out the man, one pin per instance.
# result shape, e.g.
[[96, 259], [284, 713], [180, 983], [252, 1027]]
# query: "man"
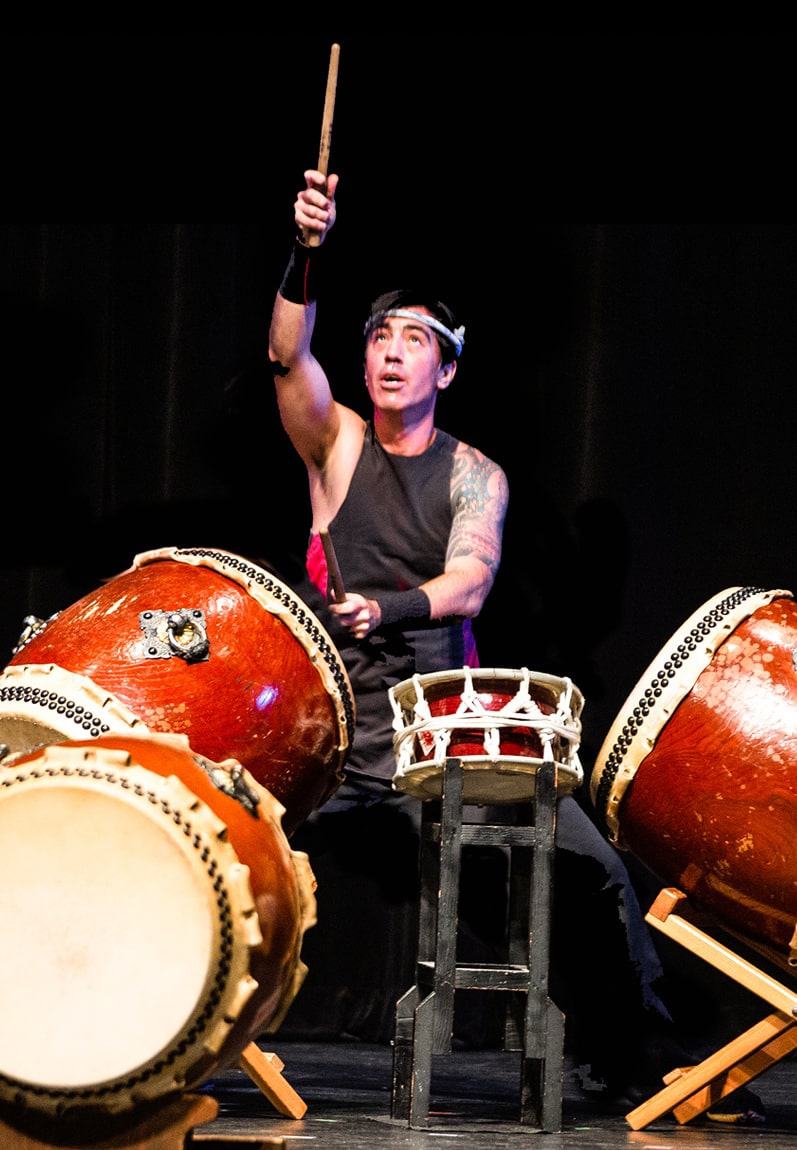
[[416, 517], [418, 559]]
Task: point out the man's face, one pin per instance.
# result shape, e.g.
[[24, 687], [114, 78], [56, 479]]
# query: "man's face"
[[402, 364]]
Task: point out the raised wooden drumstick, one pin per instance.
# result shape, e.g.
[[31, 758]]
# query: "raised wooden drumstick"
[[335, 578], [312, 239]]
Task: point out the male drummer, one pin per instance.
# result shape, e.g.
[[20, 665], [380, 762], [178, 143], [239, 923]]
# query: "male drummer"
[[416, 519]]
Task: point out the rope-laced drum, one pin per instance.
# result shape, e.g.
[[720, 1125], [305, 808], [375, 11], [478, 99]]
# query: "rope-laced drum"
[[503, 724]]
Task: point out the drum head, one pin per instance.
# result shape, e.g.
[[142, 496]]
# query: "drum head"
[[130, 917]]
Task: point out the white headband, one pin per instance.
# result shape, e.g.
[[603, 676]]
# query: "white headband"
[[456, 337]]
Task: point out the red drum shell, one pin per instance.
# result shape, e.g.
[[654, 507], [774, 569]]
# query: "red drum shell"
[[467, 742], [273, 692], [698, 776], [227, 828]]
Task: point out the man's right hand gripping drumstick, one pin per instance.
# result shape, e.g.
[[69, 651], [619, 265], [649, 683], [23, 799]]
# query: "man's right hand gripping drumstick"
[[358, 614], [314, 209]]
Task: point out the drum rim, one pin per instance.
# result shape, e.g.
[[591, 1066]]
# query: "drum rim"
[[569, 774], [35, 688], [660, 689], [487, 674]]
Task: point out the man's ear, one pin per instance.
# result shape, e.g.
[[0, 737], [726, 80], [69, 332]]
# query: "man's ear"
[[447, 373]]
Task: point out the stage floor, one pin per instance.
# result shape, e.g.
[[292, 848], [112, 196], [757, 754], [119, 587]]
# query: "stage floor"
[[474, 1106]]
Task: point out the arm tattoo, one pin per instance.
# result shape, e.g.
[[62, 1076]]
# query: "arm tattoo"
[[478, 505]]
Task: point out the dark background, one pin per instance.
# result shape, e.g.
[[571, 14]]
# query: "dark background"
[[635, 380]]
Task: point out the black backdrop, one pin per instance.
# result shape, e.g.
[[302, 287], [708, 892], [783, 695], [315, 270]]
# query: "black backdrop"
[[635, 380]]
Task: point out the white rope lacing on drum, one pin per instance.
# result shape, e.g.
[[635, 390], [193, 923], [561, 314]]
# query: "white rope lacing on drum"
[[433, 732]]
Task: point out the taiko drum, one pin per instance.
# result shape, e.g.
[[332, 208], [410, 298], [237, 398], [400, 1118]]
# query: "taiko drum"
[[153, 912], [502, 723], [196, 642], [698, 775]]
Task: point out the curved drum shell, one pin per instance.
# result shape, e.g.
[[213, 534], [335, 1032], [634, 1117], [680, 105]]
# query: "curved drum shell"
[[502, 723], [157, 912], [268, 690], [698, 775]]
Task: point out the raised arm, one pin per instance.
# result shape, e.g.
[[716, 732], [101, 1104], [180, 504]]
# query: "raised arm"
[[308, 411]]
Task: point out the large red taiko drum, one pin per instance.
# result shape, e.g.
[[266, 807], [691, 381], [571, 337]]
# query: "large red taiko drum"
[[196, 642], [698, 775], [153, 914]]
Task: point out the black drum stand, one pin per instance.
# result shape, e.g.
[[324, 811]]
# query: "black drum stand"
[[424, 1015]]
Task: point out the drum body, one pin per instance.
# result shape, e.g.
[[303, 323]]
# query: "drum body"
[[199, 643], [154, 914], [501, 723], [698, 775]]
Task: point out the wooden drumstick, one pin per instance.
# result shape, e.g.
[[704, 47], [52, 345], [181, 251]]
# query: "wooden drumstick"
[[313, 239], [335, 577]]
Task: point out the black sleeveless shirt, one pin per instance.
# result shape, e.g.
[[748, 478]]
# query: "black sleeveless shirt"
[[390, 534]]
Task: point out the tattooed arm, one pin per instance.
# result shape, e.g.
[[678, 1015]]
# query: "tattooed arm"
[[479, 496]]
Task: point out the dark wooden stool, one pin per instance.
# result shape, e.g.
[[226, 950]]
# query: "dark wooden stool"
[[424, 1015]]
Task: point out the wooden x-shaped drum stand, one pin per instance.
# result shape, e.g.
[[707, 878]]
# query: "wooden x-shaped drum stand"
[[690, 1091]]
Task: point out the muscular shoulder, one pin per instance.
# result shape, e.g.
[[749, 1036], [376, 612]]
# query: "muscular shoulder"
[[476, 478]]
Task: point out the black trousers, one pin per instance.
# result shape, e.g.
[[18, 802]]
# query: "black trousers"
[[363, 849]]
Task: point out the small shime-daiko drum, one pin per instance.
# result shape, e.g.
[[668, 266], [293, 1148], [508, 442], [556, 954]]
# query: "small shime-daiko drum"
[[698, 775], [502, 724], [153, 914], [195, 642]]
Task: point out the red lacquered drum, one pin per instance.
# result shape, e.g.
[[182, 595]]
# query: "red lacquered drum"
[[502, 724], [199, 643], [698, 775], [153, 914]]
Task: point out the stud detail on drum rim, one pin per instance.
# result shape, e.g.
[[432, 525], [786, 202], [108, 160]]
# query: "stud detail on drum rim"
[[65, 707], [656, 690]]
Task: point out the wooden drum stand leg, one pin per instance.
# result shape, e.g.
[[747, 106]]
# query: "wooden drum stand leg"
[[689, 1091], [265, 1070], [172, 1126]]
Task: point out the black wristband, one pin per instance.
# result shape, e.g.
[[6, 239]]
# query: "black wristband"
[[404, 607], [299, 282]]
